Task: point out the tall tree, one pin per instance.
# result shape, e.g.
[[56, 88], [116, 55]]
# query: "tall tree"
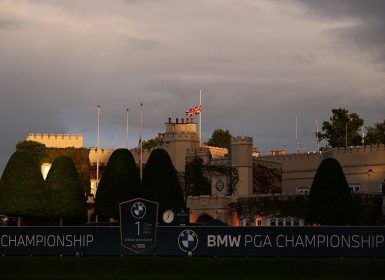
[[160, 181], [22, 189], [152, 143], [67, 199], [195, 182], [120, 182], [35, 149], [330, 200], [343, 129], [220, 138], [375, 134]]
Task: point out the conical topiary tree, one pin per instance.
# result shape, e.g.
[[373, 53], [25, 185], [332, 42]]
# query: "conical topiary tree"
[[22, 190], [67, 199], [120, 182], [330, 200], [160, 181]]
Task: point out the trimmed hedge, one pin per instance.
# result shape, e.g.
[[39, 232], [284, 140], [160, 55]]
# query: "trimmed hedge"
[[22, 189], [120, 182], [67, 199]]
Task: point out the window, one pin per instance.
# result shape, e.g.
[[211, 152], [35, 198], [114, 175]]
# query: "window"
[[258, 222], [285, 222], [354, 187], [303, 190], [245, 222], [281, 222]]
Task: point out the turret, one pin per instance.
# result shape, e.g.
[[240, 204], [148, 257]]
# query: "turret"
[[242, 160]]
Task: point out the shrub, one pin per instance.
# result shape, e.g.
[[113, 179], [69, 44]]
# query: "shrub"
[[160, 181], [22, 190], [330, 201], [120, 182], [67, 199]]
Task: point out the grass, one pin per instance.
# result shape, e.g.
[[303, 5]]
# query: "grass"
[[185, 268]]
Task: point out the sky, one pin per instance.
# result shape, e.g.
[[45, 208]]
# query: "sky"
[[259, 64]]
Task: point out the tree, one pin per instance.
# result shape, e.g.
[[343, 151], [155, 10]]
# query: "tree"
[[22, 189], [376, 134], [342, 129], [220, 138], [160, 181], [120, 182], [195, 182], [35, 149], [79, 156], [67, 199], [152, 143], [330, 200]]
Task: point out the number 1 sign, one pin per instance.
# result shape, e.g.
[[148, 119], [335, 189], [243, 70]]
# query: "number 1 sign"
[[138, 221]]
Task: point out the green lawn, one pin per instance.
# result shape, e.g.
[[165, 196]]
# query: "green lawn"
[[189, 268]]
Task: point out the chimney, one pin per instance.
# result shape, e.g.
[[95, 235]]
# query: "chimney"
[[182, 119], [169, 120], [177, 120]]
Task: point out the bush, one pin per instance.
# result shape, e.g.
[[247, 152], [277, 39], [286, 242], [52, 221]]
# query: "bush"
[[160, 181], [120, 182], [330, 201], [22, 189], [67, 199]]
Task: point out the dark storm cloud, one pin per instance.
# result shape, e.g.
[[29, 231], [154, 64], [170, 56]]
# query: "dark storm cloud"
[[366, 29], [370, 10]]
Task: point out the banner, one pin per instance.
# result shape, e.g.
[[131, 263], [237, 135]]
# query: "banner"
[[198, 241]]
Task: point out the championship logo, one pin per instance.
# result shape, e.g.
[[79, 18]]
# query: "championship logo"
[[138, 210], [188, 241]]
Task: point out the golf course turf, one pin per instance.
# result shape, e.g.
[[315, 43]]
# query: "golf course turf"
[[189, 268]]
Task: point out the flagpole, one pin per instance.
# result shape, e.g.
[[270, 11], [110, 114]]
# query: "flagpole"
[[141, 141], [346, 134], [127, 128], [363, 135], [200, 118], [317, 133], [296, 135], [97, 150]]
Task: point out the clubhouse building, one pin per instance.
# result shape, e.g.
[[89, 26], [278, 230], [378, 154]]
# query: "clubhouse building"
[[274, 177]]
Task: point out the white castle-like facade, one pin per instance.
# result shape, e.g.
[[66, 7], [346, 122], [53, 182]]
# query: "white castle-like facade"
[[364, 168]]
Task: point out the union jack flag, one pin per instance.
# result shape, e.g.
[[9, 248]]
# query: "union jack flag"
[[194, 111]]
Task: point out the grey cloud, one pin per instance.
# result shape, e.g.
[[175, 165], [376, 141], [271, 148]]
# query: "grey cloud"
[[142, 44], [369, 10], [258, 63], [366, 33], [4, 23]]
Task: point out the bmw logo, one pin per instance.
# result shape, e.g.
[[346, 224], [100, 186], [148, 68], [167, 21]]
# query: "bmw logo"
[[138, 210], [188, 240]]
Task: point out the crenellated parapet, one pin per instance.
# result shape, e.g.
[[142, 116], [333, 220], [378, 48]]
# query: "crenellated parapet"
[[242, 140], [183, 125], [180, 136], [217, 152], [203, 153], [57, 140]]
